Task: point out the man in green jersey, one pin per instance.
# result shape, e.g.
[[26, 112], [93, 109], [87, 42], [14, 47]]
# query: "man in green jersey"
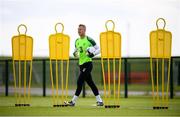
[[85, 49]]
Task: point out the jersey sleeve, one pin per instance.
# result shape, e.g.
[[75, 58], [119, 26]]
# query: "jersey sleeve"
[[91, 41], [75, 43], [96, 47]]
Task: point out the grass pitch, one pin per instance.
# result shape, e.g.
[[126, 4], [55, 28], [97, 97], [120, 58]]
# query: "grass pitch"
[[132, 106]]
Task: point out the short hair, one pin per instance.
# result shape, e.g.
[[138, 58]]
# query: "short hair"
[[82, 26]]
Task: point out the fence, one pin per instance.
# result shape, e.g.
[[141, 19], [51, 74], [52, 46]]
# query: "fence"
[[135, 76]]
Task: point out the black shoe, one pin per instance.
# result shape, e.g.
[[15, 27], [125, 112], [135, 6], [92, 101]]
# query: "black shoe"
[[100, 103], [69, 103]]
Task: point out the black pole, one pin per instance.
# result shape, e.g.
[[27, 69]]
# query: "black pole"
[[6, 78], [171, 80], [155, 72], [44, 78], [178, 73], [125, 78]]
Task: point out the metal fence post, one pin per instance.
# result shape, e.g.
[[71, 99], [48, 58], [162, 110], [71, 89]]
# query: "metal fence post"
[[171, 80], [6, 77], [44, 78], [125, 78], [178, 73]]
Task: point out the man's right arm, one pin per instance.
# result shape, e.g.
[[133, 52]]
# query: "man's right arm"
[[75, 53]]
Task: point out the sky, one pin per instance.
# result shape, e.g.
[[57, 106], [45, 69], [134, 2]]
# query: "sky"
[[134, 20]]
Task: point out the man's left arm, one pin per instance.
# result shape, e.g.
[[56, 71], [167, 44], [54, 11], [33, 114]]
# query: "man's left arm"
[[97, 50], [96, 47]]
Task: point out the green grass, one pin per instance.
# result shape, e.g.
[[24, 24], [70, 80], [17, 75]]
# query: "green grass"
[[133, 106]]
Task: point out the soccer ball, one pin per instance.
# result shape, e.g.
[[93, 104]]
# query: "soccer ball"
[[91, 50]]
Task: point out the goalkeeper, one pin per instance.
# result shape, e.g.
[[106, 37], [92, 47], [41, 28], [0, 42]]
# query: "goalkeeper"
[[85, 49]]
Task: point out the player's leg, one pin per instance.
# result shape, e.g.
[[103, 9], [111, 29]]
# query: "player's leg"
[[90, 82], [80, 82], [94, 89]]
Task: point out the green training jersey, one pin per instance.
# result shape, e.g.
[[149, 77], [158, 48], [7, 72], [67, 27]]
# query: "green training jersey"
[[81, 45]]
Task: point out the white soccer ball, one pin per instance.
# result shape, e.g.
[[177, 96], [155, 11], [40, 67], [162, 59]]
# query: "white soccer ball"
[[91, 50]]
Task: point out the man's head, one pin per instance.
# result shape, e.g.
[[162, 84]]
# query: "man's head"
[[81, 30]]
